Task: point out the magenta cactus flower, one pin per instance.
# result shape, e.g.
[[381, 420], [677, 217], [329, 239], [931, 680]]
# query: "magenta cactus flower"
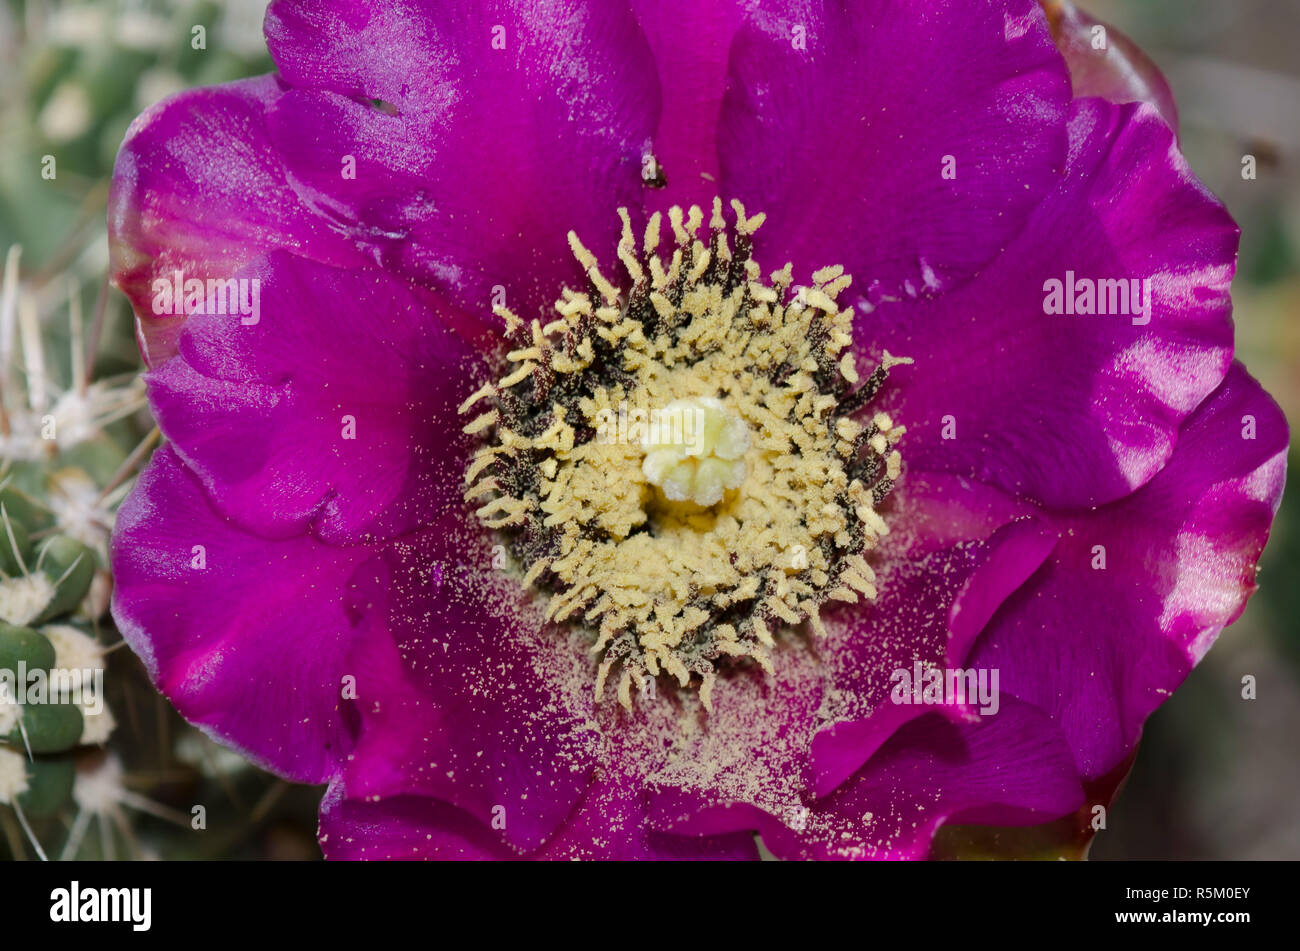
[[612, 432]]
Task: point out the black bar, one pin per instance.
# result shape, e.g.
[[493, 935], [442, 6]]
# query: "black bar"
[[302, 902]]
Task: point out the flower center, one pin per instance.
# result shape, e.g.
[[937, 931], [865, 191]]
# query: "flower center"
[[695, 451], [679, 463]]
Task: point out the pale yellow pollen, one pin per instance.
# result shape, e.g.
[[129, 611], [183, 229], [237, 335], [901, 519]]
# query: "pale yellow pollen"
[[848, 369], [482, 422], [519, 375], [487, 389], [513, 323]]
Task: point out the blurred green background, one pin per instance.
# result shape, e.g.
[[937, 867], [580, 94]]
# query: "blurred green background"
[[1216, 776]]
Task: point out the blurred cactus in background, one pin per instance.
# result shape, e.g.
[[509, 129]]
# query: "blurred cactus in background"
[[66, 443]]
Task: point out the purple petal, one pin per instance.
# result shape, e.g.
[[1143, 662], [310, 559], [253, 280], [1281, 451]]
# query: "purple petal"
[[936, 596], [1013, 767], [844, 142], [248, 637], [1099, 648], [403, 828], [606, 827], [479, 159], [198, 188], [479, 705], [336, 410], [1074, 409], [1118, 71], [751, 750], [690, 40], [472, 700], [612, 824]]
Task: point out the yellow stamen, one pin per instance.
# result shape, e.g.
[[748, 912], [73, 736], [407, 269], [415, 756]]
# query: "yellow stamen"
[[682, 479]]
